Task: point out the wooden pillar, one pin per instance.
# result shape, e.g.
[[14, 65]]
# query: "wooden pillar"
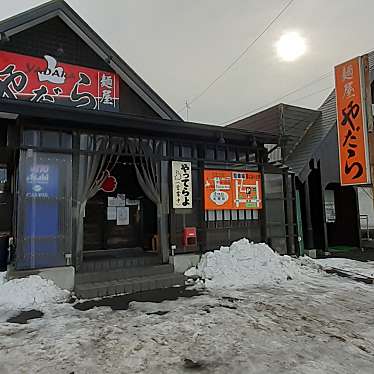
[[163, 211], [309, 241], [261, 158], [76, 257]]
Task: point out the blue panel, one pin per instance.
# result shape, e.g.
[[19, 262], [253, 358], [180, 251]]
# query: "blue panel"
[[41, 218], [40, 254], [41, 229]]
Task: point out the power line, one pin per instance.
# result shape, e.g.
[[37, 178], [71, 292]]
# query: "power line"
[[238, 58], [313, 93], [320, 78]]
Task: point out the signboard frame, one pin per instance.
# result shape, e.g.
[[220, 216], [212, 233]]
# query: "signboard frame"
[[182, 184], [222, 195], [352, 122], [46, 80]]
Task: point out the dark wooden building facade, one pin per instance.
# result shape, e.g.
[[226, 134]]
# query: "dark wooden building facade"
[[62, 142]]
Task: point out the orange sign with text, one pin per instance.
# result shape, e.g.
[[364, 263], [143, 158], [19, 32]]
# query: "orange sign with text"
[[227, 189], [352, 123]]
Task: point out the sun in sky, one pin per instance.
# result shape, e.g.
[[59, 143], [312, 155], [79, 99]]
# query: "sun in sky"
[[290, 46]]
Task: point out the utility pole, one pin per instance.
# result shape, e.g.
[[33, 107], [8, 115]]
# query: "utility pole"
[[188, 107], [369, 116]]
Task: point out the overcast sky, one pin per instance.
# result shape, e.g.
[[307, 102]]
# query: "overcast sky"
[[178, 47]]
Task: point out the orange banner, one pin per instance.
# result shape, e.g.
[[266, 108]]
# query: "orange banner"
[[351, 124], [227, 189]]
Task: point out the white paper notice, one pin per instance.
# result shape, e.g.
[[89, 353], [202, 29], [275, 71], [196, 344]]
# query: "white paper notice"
[[121, 200], [130, 202], [123, 217], [112, 201], [111, 213]]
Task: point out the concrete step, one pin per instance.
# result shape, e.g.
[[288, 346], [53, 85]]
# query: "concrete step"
[[105, 264], [128, 285], [114, 274]]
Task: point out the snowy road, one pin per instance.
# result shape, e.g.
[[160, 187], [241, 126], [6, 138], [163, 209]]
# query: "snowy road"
[[322, 324]]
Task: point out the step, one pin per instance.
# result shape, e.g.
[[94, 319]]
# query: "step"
[[128, 285], [118, 252], [105, 264], [114, 274]]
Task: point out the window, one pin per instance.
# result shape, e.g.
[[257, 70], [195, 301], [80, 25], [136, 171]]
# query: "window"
[[330, 206], [3, 179], [186, 152], [31, 138], [50, 139], [47, 139], [231, 215]]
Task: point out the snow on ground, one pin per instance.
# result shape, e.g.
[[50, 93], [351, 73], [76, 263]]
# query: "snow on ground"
[[2, 277], [32, 292], [364, 268], [313, 323], [247, 264]]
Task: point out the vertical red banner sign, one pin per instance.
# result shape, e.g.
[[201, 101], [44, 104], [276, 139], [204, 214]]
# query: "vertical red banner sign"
[[352, 123]]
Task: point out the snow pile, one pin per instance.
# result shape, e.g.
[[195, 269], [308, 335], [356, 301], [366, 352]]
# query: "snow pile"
[[32, 292], [245, 264], [2, 277]]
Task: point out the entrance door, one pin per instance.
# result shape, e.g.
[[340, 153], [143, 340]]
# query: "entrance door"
[[5, 202], [133, 231], [299, 224]]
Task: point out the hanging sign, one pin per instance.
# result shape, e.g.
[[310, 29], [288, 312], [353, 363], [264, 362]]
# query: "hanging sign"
[[182, 184], [46, 80], [109, 184], [350, 85], [232, 190]]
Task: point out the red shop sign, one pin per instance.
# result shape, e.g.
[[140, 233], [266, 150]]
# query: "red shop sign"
[[45, 80]]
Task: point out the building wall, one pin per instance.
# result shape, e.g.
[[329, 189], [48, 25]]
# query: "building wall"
[[56, 39], [365, 198]]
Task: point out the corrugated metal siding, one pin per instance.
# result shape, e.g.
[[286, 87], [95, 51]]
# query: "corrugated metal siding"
[[267, 121], [371, 61], [313, 139], [296, 121], [299, 159], [275, 155]]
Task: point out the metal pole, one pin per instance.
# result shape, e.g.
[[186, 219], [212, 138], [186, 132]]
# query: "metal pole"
[[367, 100]]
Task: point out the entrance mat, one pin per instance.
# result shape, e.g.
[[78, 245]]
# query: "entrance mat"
[[341, 248]]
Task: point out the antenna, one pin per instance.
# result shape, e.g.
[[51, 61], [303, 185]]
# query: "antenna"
[[188, 107]]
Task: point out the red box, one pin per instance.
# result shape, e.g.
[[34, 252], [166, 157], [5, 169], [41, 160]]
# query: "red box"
[[189, 237]]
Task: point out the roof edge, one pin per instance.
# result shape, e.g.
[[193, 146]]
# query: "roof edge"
[[59, 8]]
